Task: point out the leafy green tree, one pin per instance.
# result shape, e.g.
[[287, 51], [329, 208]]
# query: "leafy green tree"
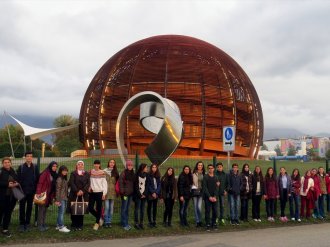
[[291, 151], [264, 147], [277, 149], [327, 154], [67, 141]]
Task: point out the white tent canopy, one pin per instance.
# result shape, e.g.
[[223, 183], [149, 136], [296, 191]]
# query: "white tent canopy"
[[36, 133]]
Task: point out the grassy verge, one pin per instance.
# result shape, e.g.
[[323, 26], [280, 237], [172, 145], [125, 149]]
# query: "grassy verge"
[[88, 234]]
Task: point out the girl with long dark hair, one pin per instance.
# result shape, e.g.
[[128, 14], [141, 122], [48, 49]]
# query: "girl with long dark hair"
[[112, 176], [257, 192], [61, 197], [246, 191], [198, 174], [168, 195], [295, 195], [284, 186], [153, 185], [185, 182], [271, 193], [140, 195]]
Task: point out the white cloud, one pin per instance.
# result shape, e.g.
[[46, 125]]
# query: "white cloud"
[[51, 50]]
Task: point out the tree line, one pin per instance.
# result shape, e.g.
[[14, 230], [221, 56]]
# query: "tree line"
[[62, 143]]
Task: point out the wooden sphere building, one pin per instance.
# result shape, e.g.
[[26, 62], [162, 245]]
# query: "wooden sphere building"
[[209, 87]]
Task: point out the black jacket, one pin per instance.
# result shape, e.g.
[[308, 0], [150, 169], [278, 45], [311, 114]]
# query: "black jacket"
[[234, 183], [184, 186], [5, 176], [28, 177]]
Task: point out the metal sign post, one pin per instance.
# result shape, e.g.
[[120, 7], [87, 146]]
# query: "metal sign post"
[[228, 140]]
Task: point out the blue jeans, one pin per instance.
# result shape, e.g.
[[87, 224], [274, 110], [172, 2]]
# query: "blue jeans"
[[198, 200], [234, 203], [221, 206], [183, 211], [321, 204], [125, 210], [294, 199], [316, 211], [60, 214], [270, 207], [108, 210], [328, 203]]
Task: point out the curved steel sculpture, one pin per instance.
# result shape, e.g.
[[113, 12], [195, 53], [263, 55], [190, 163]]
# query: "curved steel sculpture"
[[158, 115]]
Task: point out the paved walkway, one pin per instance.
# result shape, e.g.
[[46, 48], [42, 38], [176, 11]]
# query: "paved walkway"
[[317, 235]]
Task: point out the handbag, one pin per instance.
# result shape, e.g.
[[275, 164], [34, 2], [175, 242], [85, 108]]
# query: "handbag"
[[79, 208], [40, 199], [18, 192], [195, 192]]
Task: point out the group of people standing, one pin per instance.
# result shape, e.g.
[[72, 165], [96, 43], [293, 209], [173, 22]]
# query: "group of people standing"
[[99, 188]]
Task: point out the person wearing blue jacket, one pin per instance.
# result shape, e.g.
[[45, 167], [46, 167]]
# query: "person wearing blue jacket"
[[234, 190], [154, 188]]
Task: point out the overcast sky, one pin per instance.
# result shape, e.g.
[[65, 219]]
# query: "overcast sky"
[[51, 50]]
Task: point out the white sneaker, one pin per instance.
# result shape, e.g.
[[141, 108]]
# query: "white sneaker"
[[259, 220], [101, 221], [299, 220], [64, 229], [293, 219], [256, 220], [96, 227], [269, 218]]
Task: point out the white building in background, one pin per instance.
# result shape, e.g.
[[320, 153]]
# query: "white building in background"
[[319, 145]]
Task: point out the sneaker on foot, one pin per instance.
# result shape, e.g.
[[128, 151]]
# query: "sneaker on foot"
[[299, 220], [256, 220], [96, 227], [101, 221], [259, 220], [64, 229], [6, 233], [223, 222], [293, 219], [269, 219]]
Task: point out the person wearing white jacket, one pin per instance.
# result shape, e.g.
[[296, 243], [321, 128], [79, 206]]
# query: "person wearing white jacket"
[[97, 193]]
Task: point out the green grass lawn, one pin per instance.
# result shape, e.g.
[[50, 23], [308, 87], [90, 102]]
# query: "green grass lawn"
[[117, 232]]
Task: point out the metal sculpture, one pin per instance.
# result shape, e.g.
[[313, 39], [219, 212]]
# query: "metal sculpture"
[[158, 115]]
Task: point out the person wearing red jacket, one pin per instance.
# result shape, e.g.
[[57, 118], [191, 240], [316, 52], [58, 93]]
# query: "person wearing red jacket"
[[317, 193], [327, 183], [271, 193], [46, 183], [306, 194]]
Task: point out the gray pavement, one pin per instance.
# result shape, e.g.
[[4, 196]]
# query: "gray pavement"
[[317, 235]]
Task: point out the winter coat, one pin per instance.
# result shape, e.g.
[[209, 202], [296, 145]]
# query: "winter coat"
[[126, 182], [61, 189], [184, 186], [295, 186], [234, 183], [79, 182], [246, 186], [28, 178], [45, 185], [223, 178], [111, 181], [254, 185], [271, 188], [168, 188], [140, 185], [7, 176], [317, 186], [152, 187], [327, 182]]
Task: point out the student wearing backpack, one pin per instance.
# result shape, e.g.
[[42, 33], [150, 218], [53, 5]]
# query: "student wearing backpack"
[[126, 187]]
